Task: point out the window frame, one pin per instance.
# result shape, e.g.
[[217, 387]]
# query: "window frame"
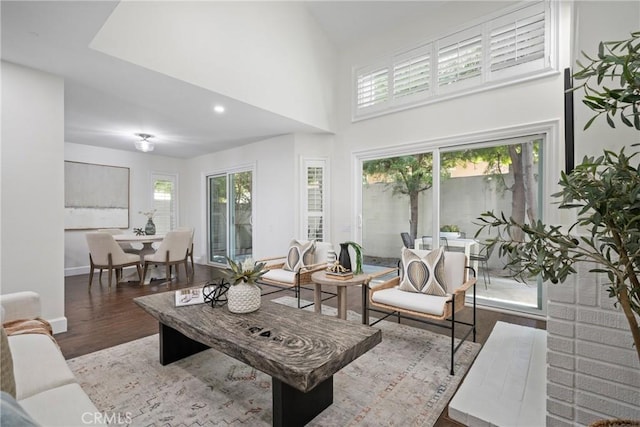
[[486, 81], [166, 176], [306, 163]]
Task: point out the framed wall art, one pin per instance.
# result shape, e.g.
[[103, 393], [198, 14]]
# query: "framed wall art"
[[95, 196]]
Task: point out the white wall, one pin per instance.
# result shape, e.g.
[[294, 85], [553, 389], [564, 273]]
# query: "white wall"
[[273, 162], [593, 370], [141, 166], [33, 187], [272, 55], [535, 101]]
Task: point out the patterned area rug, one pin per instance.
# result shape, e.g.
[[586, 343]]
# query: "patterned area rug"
[[402, 381]]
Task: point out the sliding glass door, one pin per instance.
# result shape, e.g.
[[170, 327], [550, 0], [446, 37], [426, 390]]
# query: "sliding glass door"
[[230, 216], [436, 197]]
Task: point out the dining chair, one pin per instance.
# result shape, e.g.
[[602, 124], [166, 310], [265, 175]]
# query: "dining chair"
[[106, 253], [192, 231], [406, 240], [127, 247], [483, 256], [173, 250]]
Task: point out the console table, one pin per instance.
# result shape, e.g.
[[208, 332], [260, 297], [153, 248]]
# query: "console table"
[[300, 350]]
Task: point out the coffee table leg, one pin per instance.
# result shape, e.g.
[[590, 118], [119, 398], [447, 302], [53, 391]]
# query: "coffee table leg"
[[291, 407], [317, 298], [175, 346]]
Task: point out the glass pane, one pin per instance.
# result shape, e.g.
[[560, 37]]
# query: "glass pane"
[[500, 178], [240, 227], [218, 219], [397, 197], [164, 204]]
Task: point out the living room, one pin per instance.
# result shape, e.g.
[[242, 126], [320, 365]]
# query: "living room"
[[36, 141]]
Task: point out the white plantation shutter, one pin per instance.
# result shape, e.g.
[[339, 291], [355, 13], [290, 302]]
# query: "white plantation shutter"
[[165, 202], [517, 41], [412, 73], [515, 44], [315, 200], [372, 87], [460, 60]]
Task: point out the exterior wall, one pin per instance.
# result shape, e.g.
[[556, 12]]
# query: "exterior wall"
[[593, 370], [32, 176], [463, 199]]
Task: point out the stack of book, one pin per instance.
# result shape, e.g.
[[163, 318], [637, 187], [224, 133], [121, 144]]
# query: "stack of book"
[[340, 276]]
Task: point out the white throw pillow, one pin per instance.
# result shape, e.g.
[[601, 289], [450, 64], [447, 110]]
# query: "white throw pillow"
[[423, 274], [300, 254]]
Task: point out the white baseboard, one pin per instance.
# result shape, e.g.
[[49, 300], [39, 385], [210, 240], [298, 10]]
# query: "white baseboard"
[[59, 324], [76, 271]]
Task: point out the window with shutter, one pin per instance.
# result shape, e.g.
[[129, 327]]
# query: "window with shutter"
[[412, 73], [165, 202], [460, 60], [373, 88], [517, 42], [315, 200], [512, 45]]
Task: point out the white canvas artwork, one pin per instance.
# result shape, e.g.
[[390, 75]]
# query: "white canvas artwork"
[[95, 196]]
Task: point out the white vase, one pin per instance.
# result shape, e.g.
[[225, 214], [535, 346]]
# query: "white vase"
[[243, 298]]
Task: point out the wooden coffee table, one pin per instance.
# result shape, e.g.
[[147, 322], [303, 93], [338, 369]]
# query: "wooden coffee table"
[[300, 350]]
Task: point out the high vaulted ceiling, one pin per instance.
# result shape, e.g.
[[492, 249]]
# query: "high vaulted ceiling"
[[108, 100]]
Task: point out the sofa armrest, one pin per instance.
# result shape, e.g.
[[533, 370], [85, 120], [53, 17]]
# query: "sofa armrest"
[[20, 305]]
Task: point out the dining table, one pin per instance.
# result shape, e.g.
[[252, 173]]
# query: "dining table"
[[147, 241], [466, 244]]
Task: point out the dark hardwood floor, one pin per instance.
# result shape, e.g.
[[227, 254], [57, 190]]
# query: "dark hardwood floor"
[[100, 318]]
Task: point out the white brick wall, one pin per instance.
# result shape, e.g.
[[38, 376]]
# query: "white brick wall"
[[593, 371]]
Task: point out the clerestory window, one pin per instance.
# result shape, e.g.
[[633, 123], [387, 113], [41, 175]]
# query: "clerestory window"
[[511, 46]]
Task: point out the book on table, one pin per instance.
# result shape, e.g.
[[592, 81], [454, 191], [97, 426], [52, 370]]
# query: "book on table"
[[340, 275], [189, 297]]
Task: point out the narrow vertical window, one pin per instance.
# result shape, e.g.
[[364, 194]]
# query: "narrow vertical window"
[[165, 202], [315, 200]]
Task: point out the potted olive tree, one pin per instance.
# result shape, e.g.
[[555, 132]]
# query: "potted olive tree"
[[605, 191]]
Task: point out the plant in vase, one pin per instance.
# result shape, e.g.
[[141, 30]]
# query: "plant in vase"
[[344, 252], [244, 294], [150, 227]]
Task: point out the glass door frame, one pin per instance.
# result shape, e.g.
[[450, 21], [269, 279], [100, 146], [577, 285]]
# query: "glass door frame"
[[552, 164], [227, 173]]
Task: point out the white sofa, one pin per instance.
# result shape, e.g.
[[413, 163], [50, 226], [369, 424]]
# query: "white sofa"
[[46, 388]]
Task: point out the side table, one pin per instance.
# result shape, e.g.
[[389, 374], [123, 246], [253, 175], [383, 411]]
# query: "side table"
[[320, 278]]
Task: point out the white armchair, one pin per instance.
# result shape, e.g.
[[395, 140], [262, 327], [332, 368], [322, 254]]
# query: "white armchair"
[[427, 291], [294, 270], [106, 253]]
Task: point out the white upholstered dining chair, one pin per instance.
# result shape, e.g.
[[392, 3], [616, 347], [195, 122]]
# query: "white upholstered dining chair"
[[173, 250], [106, 253], [192, 231]]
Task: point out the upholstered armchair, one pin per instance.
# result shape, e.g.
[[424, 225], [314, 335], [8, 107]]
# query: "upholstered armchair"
[[293, 271], [431, 288], [173, 250], [106, 253]]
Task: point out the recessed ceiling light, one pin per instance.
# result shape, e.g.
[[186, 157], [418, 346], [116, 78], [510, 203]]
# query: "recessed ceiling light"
[[219, 109]]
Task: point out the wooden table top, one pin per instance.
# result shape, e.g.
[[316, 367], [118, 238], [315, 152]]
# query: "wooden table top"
[[298, 347], [322, 278]]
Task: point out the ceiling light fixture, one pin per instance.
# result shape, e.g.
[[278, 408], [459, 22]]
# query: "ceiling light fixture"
[[144, 144], [219, 109]]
